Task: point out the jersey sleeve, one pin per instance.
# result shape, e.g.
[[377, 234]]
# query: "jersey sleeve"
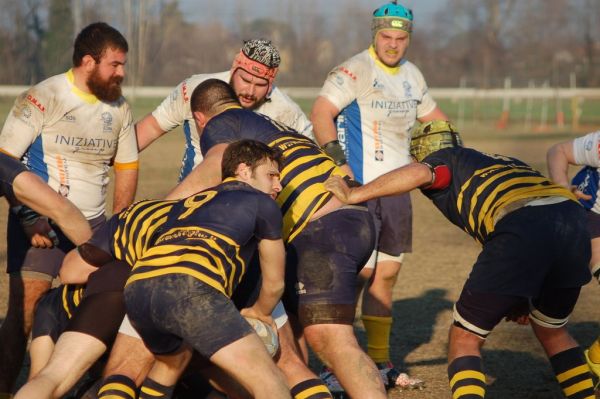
[[427, 103], [346, 82], [269, 221], [127, 152], [174, 109], [24, 122], [586, 149], [103, 237]]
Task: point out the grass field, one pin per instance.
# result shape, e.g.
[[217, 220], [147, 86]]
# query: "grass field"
[[430, 281]]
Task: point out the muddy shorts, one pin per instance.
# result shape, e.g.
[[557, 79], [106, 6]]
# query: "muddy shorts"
[[322, 265], [170, 309]]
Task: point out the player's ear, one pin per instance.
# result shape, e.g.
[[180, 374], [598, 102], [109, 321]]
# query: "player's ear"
[[243, 172], [88, 62], [200, 118]]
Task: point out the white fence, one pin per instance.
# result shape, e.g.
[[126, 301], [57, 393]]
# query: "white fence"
[[438, 93]]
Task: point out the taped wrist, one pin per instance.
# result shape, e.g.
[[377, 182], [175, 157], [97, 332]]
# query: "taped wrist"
[[27, 216], [335, 151]]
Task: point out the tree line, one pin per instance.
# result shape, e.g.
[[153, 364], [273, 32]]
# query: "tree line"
[[474, 43]]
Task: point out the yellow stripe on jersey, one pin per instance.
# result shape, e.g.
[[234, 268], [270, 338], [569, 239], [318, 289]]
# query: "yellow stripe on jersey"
[[466, 184], [177, 270]]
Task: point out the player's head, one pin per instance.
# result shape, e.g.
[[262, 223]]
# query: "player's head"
[[101, 51], [433, 136], [210, 98], [391, 28], [255, 163], [253, 71]]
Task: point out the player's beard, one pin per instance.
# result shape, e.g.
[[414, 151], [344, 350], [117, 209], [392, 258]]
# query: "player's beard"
[[106, 90]]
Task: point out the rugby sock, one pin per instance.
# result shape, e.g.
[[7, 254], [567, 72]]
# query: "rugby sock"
[[117, 386], [378, 337], [311, 389], [153, 390], [594, 351], [573, 374], [466, 377]]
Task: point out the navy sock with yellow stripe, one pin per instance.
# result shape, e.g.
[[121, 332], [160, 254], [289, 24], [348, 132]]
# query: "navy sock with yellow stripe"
[[311, 389], [573, 374], [153, 390], [466, 377], [117, 386]]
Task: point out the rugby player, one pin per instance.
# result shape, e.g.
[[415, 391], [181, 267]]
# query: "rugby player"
[[534, 258], [68, 130], [363, 117]]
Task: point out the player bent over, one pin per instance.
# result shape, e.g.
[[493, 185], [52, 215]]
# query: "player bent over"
[[534, 258], [197, 250]]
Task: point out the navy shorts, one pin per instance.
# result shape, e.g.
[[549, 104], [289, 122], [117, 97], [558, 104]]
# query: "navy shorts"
[[44, 263], [170, 309], [393, 223], [538, 254], [322, 265], [55, 308], [593, 223]]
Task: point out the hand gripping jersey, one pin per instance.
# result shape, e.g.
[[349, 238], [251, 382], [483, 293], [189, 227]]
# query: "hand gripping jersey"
[[210, 236], [69, 138], [305, 166], [481, 186], [586, 151], [175, 110], [378, 108]]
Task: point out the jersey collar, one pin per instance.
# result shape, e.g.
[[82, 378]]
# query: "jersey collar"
[[387, 69], [87, 97]]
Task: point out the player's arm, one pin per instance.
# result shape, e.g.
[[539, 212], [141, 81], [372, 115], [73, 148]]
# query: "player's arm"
[[398, 181], [206, 174], [146, 131], [558, 157], [323, 117], [272, 267], [33, 192], [125, 186]]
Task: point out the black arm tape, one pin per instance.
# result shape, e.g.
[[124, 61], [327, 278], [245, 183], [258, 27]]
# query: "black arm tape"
[[335, 151]]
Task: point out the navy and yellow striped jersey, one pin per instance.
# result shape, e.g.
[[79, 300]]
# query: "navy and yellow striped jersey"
[[211, 235], [305, 166], [482, 185]]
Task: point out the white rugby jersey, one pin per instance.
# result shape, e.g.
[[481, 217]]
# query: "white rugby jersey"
[[69, 138], [175, 110], [586, 151], [378, 109]]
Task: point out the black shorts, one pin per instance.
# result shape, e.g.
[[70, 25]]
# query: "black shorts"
[[322, 265], [10, 168], [44, 262], [54, 309], [593, 223], [534, 253], [173, 308]]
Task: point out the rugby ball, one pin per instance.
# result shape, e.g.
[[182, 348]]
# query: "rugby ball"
[[266, 334]]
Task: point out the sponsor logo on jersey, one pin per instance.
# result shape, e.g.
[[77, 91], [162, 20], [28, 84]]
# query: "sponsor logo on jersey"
[[67, 117], [87, 144], [407, 89], [184, 91], [377, 84], [378, 142], [36, 102], [107, 122], [346, 71]]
